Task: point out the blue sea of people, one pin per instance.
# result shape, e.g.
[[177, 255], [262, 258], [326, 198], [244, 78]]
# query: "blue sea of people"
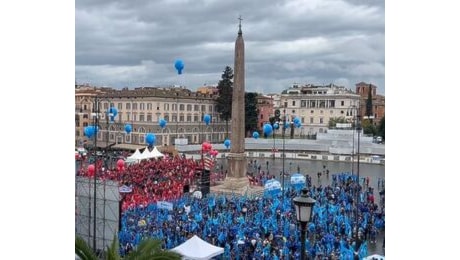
[[266, 227]]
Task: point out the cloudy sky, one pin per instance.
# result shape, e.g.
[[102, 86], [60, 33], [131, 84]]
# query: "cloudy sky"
[[135, 43]]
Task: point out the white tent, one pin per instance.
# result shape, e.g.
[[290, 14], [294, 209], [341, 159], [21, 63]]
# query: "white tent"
[[155, 153], [135, 157], [197, 249], [145, 154]]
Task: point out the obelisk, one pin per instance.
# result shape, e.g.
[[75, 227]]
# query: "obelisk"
[[236, 178]]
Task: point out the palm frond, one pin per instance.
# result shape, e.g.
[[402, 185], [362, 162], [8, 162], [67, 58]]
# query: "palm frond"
[[83, 251]]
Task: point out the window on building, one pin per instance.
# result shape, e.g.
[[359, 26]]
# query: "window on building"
[[120, 116], [141, 138], [341, 112], [210, 108], [181, 107], [141, 117], [312, 111], [181, 118], [322, 104], [149, 106], [120, 106], [311, 120], [128, 138], [167, 117], [342, 103], [128, 105], [203, 108], [141, 106], [196, 108], [195, 118], [85, 124], [149, 117], [166, 106], [331, 103], [285, 104], [293, 103], [313, 104], [321, 120], [85, 116], [135, 106], [303, 103], [134, 116], [189, 107], [189, 118], [106, 106], [293, 111], [174, 118]]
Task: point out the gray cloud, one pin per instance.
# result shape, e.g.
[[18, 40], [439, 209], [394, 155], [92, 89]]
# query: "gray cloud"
[[132, 43]]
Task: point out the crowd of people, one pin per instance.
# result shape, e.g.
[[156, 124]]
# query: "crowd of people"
[[265, 227], [150, 180], [247, 228]]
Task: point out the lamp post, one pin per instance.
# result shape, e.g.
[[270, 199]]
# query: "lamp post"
[[96, 124], [284, 143], [355, 111], [303, 209]]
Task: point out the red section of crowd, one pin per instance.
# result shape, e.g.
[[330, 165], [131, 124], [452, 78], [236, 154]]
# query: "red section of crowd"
[[151, 180]]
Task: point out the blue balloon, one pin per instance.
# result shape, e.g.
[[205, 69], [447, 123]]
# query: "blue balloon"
[[276, 126], [150, 139], [255, 135], [179, 65], [268, 129], [162, 123], [88, 131], [286, 125], [113, 111], [227, 143], [296, 121], [128, 128], [207, 119]]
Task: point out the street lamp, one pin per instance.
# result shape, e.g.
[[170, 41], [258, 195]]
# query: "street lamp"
[[95, 115], [357, 115], [303, 209]]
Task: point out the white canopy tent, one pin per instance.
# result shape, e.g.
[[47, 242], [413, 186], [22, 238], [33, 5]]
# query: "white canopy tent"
[[197, 249], [155, 153], [137, 156]]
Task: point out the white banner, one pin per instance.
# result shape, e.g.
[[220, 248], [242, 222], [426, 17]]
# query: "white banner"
[[125, 189], [165, 205]]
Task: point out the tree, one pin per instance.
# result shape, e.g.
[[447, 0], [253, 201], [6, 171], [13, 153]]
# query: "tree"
[[147, 249], [251, 112], [368, 127], [224, 100], [334, 120], [369, 102], [381, 128]]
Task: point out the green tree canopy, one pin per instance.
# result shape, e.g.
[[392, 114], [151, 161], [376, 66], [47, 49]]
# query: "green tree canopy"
[[224, 100], [251, 112]]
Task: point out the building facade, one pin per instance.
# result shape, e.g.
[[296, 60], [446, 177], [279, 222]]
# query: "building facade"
[[143, 108], [265, 110], [316, 105], [378, 102]]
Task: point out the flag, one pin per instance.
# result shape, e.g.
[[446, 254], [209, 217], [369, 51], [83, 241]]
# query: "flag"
[[208, 163]]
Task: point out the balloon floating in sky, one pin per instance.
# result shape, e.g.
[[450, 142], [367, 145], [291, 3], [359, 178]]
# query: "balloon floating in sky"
[[179, 65], [162, 123], [268, 129], [207, 119], [227, 143], [150, 139], [128, 128]]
